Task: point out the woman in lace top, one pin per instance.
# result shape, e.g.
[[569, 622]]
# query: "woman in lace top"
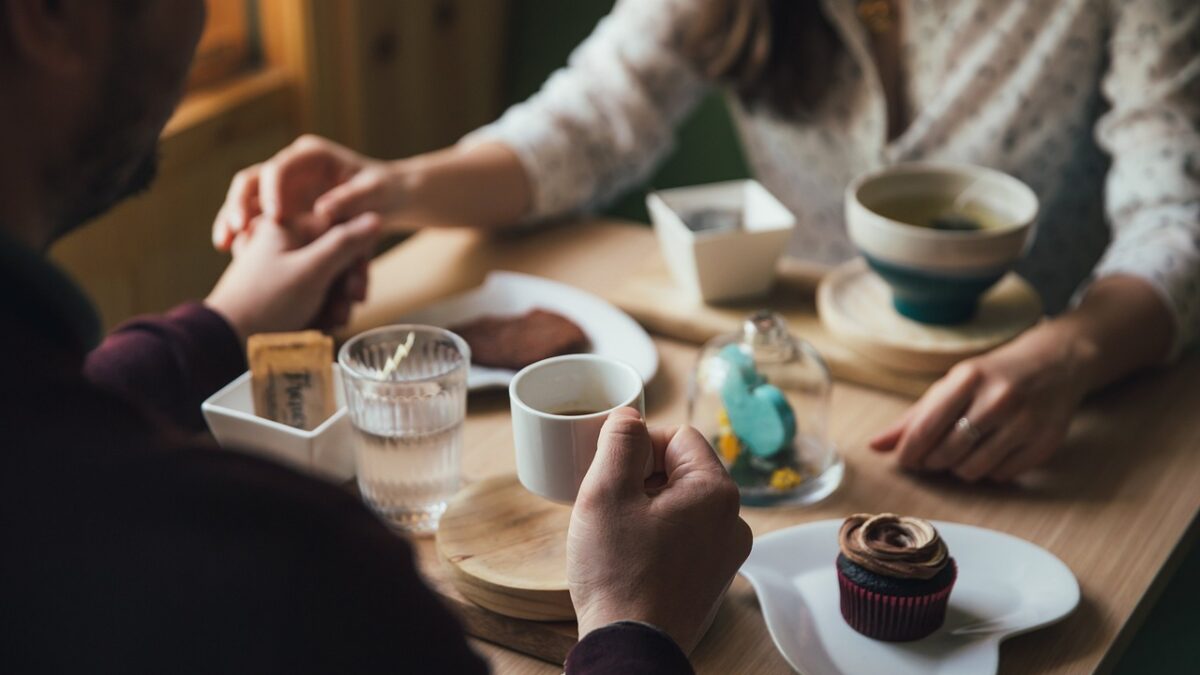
[[1093, 103]]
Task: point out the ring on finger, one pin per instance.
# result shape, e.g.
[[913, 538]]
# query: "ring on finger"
[[960, 440], [970, 431]]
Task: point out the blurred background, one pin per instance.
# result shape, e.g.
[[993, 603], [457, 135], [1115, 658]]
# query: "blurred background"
[[392, 78], [389, 78]]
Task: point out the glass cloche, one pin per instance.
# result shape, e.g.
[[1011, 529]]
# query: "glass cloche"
[[761, 397]]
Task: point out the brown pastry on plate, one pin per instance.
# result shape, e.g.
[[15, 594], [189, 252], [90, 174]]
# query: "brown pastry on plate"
[[514, 342]]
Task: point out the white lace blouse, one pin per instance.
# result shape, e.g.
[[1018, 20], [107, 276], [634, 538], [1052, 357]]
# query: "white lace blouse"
[[1094, 103]]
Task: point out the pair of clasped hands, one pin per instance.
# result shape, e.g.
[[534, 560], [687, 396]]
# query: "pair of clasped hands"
[[661, 550]]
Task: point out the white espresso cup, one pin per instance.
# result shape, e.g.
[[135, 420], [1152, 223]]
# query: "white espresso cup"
[[558, 407]]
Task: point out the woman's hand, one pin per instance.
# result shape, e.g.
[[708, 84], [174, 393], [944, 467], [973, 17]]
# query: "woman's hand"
[[660, 555], [278, 282], [309, 185], [314, 183], [996, 415]]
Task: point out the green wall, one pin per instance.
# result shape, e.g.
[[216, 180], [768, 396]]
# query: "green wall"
[[543, 33]]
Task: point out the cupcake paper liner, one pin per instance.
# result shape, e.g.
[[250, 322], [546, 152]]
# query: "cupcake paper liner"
[[891, 617]]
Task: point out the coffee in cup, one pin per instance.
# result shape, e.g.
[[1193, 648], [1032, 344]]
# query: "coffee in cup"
[[558, 408]]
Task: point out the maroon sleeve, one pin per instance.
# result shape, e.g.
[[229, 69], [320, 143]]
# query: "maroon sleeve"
[[629, 648], [169, 364], [161, 558]]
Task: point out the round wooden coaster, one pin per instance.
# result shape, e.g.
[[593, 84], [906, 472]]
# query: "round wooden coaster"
[[505, 549], [856, 306]]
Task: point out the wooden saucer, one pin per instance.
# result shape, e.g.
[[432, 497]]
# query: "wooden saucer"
[[855, 305], [505, 549]]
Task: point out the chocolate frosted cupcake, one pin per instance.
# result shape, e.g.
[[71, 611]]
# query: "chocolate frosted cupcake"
[[895, 576]]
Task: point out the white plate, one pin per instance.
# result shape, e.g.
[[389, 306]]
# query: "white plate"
[[611, 332], [1005, 586]]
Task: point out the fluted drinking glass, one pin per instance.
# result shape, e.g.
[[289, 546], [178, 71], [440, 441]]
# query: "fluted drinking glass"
[[407, 419]]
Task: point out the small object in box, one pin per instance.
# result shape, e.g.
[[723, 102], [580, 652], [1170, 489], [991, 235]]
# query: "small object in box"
[[713, 220], [290, 376], [721, 241]]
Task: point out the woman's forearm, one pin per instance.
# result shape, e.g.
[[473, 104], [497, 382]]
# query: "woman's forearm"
[[1121, 325], [484, 186]]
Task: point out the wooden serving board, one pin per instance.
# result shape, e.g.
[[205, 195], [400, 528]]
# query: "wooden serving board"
[[855, 305], [549, 641], [653, 298], [503, 549]]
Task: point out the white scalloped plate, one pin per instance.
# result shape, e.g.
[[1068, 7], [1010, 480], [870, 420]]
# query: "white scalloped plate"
[[611, 332], [1005, 586]]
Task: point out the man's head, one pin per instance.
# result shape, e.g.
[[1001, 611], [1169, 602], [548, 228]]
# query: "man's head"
[[88, 86]]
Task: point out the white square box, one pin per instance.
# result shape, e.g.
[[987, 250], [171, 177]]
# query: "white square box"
[[327, 451], [722, 264]]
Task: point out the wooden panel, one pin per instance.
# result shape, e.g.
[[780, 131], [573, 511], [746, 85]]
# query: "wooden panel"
[[425, 71], [303, 39], [224, 47], [390, 79]]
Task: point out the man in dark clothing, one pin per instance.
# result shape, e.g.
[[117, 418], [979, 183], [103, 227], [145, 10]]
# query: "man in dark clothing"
[[129, 548]]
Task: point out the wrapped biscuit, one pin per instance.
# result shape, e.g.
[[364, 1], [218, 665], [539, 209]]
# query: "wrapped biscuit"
[[291, 377]]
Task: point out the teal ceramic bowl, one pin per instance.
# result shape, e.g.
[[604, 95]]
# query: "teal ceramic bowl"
[[937, 276]]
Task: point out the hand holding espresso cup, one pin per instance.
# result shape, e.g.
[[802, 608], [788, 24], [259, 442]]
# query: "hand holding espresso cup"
[[558, 408], [662, 550]]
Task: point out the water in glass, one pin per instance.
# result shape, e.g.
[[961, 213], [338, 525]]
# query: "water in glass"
[[407, 421]]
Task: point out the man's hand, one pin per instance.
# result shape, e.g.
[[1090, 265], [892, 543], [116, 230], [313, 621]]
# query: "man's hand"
[[277, 282], [661, 554]]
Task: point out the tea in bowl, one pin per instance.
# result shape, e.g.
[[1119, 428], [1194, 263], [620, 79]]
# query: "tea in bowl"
[[940, 235]]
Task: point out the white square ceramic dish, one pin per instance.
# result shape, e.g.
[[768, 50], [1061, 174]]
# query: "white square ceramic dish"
[[327, 451], [723, 264]]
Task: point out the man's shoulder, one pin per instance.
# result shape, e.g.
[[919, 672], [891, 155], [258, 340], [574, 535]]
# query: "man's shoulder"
[[153, 545], [83, 450]]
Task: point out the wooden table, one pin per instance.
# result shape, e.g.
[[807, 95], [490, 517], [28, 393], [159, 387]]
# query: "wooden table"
[[1118, 504]]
